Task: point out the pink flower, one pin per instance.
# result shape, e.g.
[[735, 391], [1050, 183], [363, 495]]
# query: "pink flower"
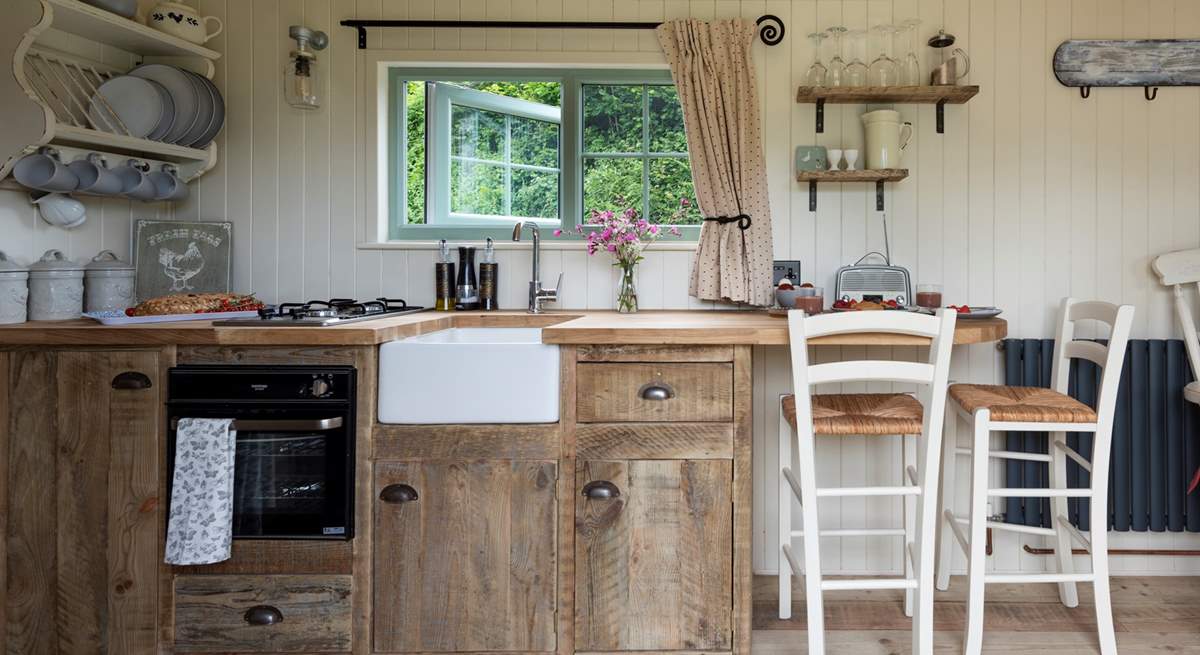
[[684, 202], [675, 230], [558, 233], [654, 229], [612, 247]]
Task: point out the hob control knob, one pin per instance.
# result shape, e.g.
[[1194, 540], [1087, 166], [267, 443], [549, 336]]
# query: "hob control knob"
[[320, 387]]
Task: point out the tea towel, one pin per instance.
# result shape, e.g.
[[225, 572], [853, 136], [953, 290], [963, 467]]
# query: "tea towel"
[[200, 528]]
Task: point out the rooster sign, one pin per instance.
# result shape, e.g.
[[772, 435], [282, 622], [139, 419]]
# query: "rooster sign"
[[179, 257]]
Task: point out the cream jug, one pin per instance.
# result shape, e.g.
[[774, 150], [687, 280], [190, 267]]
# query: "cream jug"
[[886, 137]]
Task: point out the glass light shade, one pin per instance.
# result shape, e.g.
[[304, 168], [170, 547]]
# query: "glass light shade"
[[301, 81]]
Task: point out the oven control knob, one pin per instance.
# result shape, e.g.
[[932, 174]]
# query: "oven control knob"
[[320, 387]]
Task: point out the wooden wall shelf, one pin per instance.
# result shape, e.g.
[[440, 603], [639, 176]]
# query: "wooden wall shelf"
[[94, 24], [878, 176], [855, 95]]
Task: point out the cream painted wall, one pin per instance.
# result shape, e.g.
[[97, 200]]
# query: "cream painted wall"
[[1031, 194]]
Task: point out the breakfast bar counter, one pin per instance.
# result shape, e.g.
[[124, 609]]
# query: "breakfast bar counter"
[[756, 328]]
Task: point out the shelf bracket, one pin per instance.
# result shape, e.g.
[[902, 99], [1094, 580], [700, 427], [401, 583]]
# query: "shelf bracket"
[[820, 115], [941, 116], [878, 195], [812, 195], [362, 36]]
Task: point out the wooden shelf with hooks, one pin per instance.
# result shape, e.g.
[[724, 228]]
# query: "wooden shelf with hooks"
[[878, 176], [857, 95]]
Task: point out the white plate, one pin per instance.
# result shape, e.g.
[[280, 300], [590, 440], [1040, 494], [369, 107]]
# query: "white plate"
[[204, 111], [218, 118], [119, 318], [981, 312], [136, 102], [184, 93]]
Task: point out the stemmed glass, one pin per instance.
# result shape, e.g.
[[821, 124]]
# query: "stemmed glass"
[[856, 70], [837, 66], [816, 72], [883, 71], [910, 66]]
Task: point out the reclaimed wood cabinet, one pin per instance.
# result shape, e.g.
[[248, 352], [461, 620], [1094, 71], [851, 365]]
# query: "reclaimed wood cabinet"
[[464, 554], [79, 438]]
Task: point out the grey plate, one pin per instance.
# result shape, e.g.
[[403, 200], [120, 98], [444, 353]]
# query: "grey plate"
[[218, 118], [982, 312], [204, 111], [135, 101], [183, 92]]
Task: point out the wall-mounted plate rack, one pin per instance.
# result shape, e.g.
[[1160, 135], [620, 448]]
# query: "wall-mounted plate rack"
[[878, 176], [56, 86], [939, 96]]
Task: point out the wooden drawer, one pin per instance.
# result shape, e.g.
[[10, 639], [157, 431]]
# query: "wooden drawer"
[[619, 392], [226, 613]]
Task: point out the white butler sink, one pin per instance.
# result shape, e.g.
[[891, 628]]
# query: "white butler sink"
[[469, 375]]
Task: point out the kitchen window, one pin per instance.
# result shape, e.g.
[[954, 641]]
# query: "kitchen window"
[[469, 155]]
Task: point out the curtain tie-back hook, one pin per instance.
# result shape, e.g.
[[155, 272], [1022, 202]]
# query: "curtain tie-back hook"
[[743, 220]]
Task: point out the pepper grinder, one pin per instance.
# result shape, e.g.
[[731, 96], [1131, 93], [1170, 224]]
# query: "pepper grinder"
[[443, 275], [489, 278], [468, 286]]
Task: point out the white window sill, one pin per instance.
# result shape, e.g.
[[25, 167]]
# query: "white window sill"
[[524, 244]]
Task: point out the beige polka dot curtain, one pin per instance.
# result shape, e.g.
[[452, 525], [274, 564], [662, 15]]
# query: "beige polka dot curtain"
[[714, 73]]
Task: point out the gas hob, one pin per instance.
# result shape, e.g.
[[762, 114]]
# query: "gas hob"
[[324, 313]]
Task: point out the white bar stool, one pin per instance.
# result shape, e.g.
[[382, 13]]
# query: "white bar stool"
[[805, 416], [991, 408]]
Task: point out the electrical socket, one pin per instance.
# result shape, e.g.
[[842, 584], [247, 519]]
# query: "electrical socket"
[[789, 268]]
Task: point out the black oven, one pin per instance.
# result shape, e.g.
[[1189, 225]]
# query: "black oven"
[[294, 464]]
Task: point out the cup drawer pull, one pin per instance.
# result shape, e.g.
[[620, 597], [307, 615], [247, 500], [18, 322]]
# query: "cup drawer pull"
[[398, 493], [601, 490], [656, 391], [263, 615]]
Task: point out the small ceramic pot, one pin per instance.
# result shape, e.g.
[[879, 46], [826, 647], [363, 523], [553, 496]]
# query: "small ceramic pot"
[[55, 288], [182, 21], [14, 290], [108, 284]]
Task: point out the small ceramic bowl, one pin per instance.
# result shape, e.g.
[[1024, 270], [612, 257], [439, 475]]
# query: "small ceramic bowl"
[[787, 298]]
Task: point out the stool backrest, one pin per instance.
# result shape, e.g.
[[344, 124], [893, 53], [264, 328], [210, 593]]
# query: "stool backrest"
[[932, 375], [1110, 358], [1176, 269]]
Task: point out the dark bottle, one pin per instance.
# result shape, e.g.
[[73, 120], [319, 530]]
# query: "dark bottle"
[[468, 286], [489, 278]]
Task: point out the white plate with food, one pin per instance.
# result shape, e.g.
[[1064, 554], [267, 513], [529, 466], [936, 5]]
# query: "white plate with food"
[[121, 318], [976, 312]]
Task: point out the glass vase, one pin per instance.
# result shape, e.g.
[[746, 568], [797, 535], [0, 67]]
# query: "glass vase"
[[627, 289]]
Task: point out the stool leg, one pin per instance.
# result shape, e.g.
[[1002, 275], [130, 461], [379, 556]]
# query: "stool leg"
[[909, 507], [1067, 591], [785, 516], [977, 558], [812, 546], [1098, 535], [947, 544]]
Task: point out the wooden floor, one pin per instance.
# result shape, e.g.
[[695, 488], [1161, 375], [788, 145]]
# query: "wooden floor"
[[1151, 615]]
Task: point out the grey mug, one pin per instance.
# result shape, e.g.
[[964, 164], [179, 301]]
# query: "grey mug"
[[95, 177], [135, 182], [44, 171], [167, 185]]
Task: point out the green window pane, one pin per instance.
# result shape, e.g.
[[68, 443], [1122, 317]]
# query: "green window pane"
[[476, 188], [666, 120], [612, 118], [534, 142], [671, 191], [414, 100], [612, 183], [476, 133], [534, 194]]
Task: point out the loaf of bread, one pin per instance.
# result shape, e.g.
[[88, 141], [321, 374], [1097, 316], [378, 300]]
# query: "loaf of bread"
[[195, 303]]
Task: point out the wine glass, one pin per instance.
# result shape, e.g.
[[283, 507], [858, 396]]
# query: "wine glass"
[[836, 75], [816, 72], [883, 70], [856, 70], [910, 66]]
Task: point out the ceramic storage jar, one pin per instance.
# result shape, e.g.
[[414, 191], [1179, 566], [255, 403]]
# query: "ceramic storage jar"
[[108, 284], [55, 288], [14, 290]]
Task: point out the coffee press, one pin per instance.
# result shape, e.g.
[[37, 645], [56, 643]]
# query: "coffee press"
[[946, 73]]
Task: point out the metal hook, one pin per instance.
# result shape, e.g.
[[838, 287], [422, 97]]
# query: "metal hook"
[[1150, 93], [1085, 91]]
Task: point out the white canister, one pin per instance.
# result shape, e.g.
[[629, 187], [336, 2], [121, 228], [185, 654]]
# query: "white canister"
[[55, 288], [107, 284], [14, 290], [886, 138]]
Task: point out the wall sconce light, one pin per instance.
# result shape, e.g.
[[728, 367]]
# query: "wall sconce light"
[[301, 82]]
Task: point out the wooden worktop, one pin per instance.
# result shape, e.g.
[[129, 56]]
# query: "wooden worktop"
[[582, 327]]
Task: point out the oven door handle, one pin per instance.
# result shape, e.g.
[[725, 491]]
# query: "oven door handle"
[[282, 425]]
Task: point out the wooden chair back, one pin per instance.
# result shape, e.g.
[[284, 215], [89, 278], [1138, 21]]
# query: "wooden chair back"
[[1110, 358], [1177, 269]]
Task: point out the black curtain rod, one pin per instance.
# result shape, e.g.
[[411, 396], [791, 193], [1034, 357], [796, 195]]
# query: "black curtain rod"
[[771, 33]]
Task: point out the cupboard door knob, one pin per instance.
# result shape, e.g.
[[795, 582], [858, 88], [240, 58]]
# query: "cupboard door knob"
[[656, 391], [263, 615], [131, 380], [398, 493], [601, 490]]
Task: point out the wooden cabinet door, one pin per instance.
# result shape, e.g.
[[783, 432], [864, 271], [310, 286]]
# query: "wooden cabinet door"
[[464, 556], [81, 437], [653, 555]]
